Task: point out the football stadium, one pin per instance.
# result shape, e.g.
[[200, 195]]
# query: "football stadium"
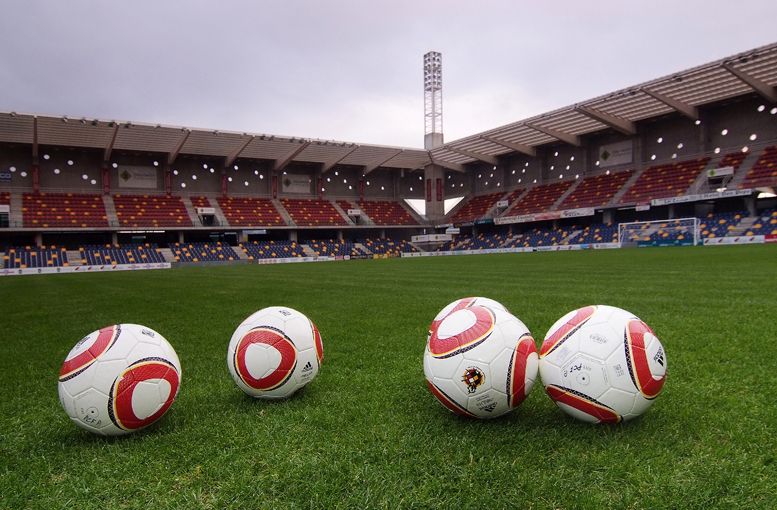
[[326, 263]]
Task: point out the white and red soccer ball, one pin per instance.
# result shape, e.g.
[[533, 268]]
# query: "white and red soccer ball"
[[602, 364], [119, 379], [480, 361], [275, 352]]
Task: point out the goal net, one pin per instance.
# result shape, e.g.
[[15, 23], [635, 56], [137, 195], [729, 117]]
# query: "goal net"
[[676, 232]]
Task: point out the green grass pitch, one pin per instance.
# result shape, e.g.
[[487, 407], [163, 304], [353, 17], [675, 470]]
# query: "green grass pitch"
[[367, 432]]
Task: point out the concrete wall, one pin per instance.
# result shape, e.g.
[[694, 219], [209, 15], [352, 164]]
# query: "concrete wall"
[[15, 160]]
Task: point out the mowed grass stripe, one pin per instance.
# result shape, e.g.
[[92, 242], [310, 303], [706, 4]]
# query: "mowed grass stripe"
[[366, 432]]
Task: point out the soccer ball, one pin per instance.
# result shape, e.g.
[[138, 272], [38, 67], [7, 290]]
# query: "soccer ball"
[[119, 379], [480, 361], [275, 352], [602, 364]]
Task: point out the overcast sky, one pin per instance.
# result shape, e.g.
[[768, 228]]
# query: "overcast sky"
[[350, 70]]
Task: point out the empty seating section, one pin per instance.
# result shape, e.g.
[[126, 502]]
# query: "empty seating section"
[[98, 255], [595, 191], [386, 213], [733, 159], [44, 210], [719, 225], [539, 237], [540, 198], [345, 205], [661, 181], [597, 233], [27, 256], [766, 224], [764, 172], [513, 196], [312, 212], [480, 242], [200, 202], [203, 252], [272, 249], [151, 211], [387, 247], [331, 248], [476, 207], [250, 212]]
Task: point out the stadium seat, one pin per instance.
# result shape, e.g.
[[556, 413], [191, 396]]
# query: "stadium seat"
[[312, 212], [475, 208], [662, 181], [595, 191], [23, 257], [721, 224], [250, 212], [539, 199], [732, 159], [200, 202], [203, 252], [385, 212], [764, 172], [387, 247], [597, 233], [328, 248], [766, 224], [98, 255], [151, 211], [272, 250], [44, 210]]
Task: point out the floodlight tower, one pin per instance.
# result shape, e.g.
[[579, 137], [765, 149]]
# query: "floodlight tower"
[[432, 100]]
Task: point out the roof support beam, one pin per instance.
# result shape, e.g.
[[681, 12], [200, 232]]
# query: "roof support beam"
[[558, 135], [450, 166], [35, 140], [370, 168], [491, 160], [109, 147], [517, 147], [232, 157], [174, 154], [331, 164], [617, 123], [686, 109], [280, 164], [764, 89]]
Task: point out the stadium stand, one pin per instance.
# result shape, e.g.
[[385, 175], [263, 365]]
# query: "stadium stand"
[[597, 233], [22, 257], [97, 255], [200, 202], [538, 237], [766, 224], [719, 225], [250, 212], [330, 248], [733, 159], [312, 212], [387, 247], [203, 252], [595, 191], [151, 211], [661, 181], [764, 172], [481, 242], [540, 198], [386, 213], [272, 249], [44, 210], [475, 208]]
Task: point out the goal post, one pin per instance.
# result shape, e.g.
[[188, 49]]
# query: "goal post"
[[674, 232]]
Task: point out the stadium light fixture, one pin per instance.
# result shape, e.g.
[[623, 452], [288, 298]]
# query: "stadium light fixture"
[[523, 171], [93, 182], [552, 167], [652, 157], [486, 183], [115, 165], [491, 175], [460, 185], [23, 174], [337, 173], [680, 145], [212, 170], [229, 179], [519, 181], [597, 162], [235, 167], [498, 184], [512, 173], [256, 172], [717, 150], [724, 132], [205, 166], [69, 162], [660, 139], [285, 173], [607, 172], [183, 184], [420, 177], [571, 158], [46, 157], [494, 167], [368, 183], [245, 183], [56, 171], [761, 108], [577, 176], [12, 169], [261, 176], [773, 111], [674, 155], [350, 187], [85, 177], [526, 164], [156, 163], [411, 188], [480, 176], [560, 176], [194, 177], [555, 154], [383, 188], [535, 181], [753, 137], [697, 122], [175, 172], [345, 181], [745, 148], [328, 179], [567, 167]]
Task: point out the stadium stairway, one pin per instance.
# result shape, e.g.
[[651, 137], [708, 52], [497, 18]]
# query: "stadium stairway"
[[283, 212], [342, 213], [74, 258], [570, 239], [219, 214], [168, 255], [516, 200], [309, 252], [616, 198], [187, 203], [744, 225], [565, 194], [360, 246], [240, 252], [110, 211], [15, 218], [744, 168], [699, 185]]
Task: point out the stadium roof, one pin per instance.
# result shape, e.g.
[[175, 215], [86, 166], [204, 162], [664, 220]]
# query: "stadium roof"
[[753, 71]]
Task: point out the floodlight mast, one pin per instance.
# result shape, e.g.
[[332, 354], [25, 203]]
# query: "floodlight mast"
[[433, 100]]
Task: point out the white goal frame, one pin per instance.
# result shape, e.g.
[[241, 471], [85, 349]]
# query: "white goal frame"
[[685, 224]]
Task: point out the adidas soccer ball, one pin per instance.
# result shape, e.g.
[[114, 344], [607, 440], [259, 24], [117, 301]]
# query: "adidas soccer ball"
[[480, 361], [119, 379], [275, 352], [602, 364]]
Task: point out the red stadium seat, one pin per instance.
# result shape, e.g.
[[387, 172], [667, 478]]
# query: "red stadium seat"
[[151, 211], [245, 212], [595, 191], [662, 181], [44, 210], [476, 207], [540, 198], [312, 212], [764, 172]]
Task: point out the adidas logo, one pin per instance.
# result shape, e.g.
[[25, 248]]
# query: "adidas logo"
[[308, 367], [490, 407], [659, 357]]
